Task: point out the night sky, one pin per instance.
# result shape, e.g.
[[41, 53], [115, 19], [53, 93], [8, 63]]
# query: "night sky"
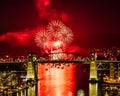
[[95, 24]]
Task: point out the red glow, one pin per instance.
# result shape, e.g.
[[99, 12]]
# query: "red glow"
[[42, 5], [64, 17], [46, 2], [53, 46], [57, 44], [23, 38], [77, 49]]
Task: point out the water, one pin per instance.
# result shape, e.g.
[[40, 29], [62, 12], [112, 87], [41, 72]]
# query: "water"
[[68, 81]]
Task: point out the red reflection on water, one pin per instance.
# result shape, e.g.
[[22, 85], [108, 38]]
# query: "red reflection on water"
[[56, 81]]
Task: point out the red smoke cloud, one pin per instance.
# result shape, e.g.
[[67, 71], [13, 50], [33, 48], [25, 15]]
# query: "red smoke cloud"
[[49, 10], [16, 38], [20, 38], [77, 49]]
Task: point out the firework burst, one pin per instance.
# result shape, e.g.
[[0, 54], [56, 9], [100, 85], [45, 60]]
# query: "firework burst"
[[60, 32], [66, 35], [55, 37], [42, 38], [55, 26]]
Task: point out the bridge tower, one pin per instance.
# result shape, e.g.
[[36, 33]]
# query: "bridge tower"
[[112, 71], [32, 75], [93, 68]]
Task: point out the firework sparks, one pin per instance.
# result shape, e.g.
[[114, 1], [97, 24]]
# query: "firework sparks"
[[66, 35], [55, 26], [60, 31], [41, 37], [55, 37]]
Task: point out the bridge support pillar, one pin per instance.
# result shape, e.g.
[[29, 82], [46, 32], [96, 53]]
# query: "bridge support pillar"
[[112, 71], [93, 68], [32, 75]]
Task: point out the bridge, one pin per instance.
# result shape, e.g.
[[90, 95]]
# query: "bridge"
[[29, 67]]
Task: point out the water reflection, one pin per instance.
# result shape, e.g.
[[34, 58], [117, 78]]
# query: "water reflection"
[[56, 81], [93, 89], [80, 92]]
